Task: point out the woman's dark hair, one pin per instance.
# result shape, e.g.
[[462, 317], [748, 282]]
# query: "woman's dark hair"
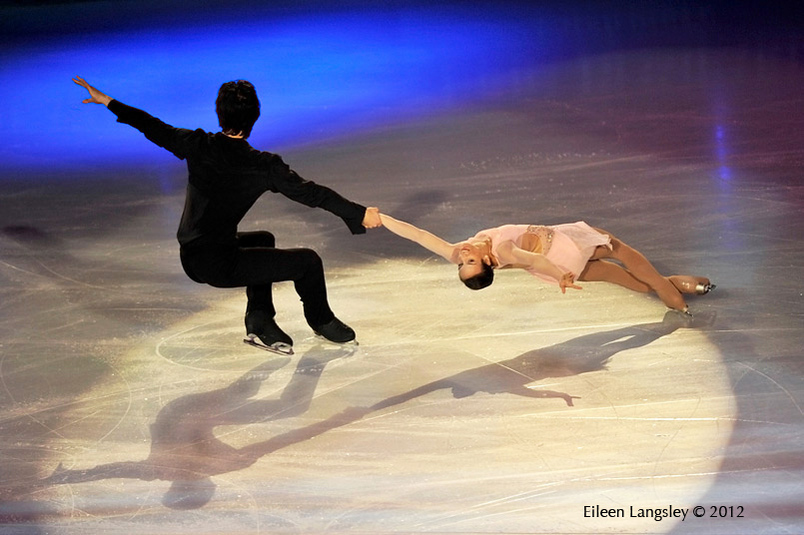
[[482, 279], [238, 107]]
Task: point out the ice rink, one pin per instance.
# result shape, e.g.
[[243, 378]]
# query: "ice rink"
[[130, 405]]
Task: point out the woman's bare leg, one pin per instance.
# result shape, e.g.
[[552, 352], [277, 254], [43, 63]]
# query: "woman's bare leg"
[[604, 271], [642, 270]]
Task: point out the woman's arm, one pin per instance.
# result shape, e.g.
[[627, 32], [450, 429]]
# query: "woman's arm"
[[428, 240], [538, 262]]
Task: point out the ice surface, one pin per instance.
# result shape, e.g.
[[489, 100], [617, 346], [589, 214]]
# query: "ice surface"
[[130, 404]]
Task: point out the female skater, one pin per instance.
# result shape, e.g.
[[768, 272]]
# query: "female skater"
[[560, 254]]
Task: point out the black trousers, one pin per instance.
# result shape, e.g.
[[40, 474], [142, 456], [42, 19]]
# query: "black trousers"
[[256, 264]]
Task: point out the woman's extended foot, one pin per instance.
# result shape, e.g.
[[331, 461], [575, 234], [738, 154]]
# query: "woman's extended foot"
[[687, 284]]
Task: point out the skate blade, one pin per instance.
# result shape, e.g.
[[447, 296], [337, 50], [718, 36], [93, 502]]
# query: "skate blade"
[[279, 348]]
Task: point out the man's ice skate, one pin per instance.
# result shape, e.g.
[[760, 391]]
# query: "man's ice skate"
[[268, 336], [280, 348], [336, 331]]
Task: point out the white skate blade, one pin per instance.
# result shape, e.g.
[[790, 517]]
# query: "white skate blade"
[[279, 348]]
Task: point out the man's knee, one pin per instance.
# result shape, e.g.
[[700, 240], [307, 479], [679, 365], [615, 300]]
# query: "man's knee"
[[265, 239], [260, 238], [310, 259]]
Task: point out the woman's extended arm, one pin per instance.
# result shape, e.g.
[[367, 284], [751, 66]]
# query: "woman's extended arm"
[[428, 240], [539, 263]]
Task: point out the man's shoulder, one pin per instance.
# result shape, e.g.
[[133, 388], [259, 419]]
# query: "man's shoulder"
[[270, 160]]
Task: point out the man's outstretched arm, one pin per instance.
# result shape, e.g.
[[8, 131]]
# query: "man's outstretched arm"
[[179, 141]]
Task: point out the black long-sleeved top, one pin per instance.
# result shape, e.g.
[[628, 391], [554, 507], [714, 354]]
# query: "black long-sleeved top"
[[226, 177]]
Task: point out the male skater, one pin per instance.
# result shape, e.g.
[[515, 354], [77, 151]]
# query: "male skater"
[[226, 176]]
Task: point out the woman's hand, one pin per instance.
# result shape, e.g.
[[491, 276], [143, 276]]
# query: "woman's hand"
[[567, 280], [96, 96]]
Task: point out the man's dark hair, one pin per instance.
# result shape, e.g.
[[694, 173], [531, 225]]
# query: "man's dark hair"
[[482, 279], [238, 107]]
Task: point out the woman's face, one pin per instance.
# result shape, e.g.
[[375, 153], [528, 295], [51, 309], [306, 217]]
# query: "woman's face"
[[470, 260]]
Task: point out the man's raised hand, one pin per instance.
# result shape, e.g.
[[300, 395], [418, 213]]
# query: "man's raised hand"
[[96, 96]]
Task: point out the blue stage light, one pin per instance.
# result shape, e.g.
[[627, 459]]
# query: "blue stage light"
[[318, 76]]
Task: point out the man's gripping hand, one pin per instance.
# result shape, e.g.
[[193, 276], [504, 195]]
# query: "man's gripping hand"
[[372, 217]]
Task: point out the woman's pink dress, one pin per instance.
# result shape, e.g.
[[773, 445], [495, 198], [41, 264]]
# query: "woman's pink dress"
[[569, 246]]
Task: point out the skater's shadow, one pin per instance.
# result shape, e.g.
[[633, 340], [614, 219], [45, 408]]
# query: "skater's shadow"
[[580, 355], [185, 450]]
